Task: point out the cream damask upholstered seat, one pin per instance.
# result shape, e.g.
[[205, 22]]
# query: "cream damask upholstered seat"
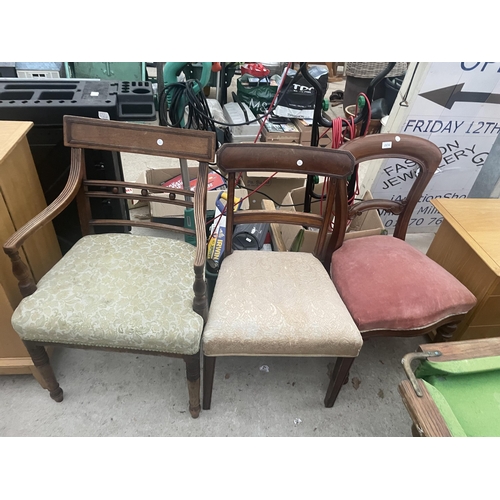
[[137, 289], [281, 303], [277, 304], [120, 291]]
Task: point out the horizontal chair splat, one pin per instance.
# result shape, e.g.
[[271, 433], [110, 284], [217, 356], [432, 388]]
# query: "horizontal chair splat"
[[158, 199], [136, 185], [150, 225], [395, 207], [287, 217], [126, 137]]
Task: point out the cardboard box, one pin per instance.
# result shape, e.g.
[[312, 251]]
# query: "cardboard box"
[[157, 176], [279, 137], [324, 142], [367, 224], [286, 133], [137, 203], [241, 138], [306, 133], [276, 188]]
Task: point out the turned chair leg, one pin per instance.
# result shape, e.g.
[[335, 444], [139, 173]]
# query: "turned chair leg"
[[193, 380], [208, 380], [41, 361], [445, 333], [337, 379], [414, 431]]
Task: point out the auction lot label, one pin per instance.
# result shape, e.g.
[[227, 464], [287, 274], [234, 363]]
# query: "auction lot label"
[[457, 107]]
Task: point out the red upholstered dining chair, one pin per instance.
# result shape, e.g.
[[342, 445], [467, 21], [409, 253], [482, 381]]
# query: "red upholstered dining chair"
[[390, 288], [280, 303], [119, 291]]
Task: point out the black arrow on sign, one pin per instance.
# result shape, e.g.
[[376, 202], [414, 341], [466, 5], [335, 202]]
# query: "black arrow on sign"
[[448, 96]]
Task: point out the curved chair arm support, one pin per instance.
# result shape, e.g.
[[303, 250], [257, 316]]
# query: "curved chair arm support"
[[54, 209], [11, 247], [423, 152]]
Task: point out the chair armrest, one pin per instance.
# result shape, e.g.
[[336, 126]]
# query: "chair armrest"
[[200, 303], [11, 247], [13, 244]]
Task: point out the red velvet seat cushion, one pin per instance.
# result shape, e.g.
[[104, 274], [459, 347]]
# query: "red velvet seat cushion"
[[387, 284]]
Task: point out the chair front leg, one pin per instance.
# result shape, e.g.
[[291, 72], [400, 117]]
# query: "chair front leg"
[[337, 379], [445, 333], [208, 380], [41, 361], [193, 380]]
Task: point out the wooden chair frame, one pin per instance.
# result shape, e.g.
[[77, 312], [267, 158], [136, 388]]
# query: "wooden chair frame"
[[428, 157], [89, 133], [333, 164]]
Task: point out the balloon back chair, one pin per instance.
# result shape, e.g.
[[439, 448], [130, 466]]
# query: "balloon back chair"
[[120, 291], [281, 303], [390, 288]]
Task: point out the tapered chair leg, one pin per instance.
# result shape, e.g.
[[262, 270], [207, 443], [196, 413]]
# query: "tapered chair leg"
[[193, 380], [208, 380], [41, 361], [337, 379]]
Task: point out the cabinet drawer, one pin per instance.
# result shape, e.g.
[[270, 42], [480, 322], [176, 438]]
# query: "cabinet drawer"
[[480, 332], [496, 290], [488, 313]]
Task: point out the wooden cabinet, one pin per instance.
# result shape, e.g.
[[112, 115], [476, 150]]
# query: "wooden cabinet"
[[467, 245], [21, 198]]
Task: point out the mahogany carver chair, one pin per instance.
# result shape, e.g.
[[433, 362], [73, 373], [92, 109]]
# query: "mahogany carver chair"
[[120, 291], [390, 288], [280, 303]]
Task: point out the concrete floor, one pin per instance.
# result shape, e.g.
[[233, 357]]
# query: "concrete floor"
[[115, 394]]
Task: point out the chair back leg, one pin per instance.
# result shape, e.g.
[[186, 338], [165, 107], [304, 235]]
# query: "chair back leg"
[[208, 380], [41, 361], [193, 381]]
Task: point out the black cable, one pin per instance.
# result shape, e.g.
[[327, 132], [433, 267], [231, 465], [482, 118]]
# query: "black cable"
[[199, 115], [193, 100], [404, 102]]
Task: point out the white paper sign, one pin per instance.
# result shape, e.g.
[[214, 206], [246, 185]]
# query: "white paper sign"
[[457, 107]]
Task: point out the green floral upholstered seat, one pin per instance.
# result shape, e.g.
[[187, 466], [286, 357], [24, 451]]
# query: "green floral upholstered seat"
[[117, 290]]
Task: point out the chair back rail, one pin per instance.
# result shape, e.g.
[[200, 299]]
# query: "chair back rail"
[[333, 164], [262, 157], [379, 146], [91, 133]]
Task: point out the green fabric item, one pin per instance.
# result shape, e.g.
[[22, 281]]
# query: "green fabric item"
[[449, 417], [467, 392], [258, 98], [298, 241], [459, 367]]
